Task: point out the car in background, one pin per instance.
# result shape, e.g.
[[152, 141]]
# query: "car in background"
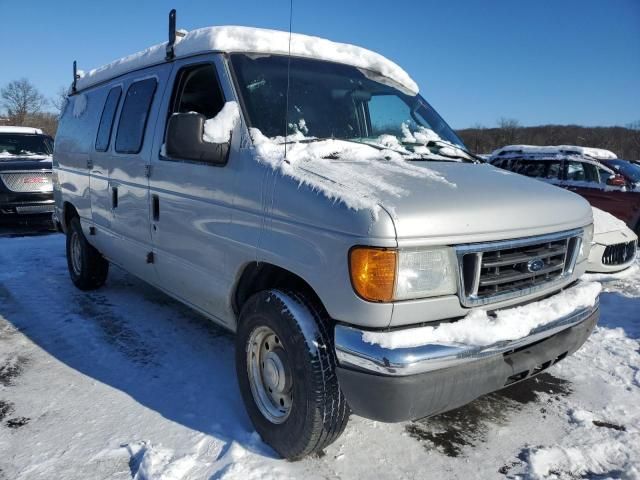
[[582, 170], [614, 246], [629, 170], [26, 187]]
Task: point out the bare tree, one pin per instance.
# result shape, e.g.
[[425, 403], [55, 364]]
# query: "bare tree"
[[60, 100], [509, 127], [21, 99]]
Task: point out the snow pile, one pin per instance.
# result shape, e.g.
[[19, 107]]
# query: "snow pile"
[[597, 153], [335, 168], [478, 328], [255, 40], [218, 129], [593, 457], [79, 105], [604, 222]]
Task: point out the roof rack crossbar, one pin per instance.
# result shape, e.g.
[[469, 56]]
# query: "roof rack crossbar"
[[75, 77], [172, 35]]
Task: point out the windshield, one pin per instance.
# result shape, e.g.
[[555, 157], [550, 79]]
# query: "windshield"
[[16, 144], [628, 169], [330, 100]]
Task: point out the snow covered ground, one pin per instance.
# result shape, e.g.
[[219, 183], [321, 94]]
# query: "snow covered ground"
[[124, 382]]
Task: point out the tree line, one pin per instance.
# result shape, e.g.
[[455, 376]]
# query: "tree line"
[[24, 105], [623, 141]]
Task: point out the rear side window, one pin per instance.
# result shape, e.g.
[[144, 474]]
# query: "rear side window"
[[581, 172], [106, 120], [134, 115]]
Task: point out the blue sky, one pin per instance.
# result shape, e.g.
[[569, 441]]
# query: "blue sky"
[[538, 61]]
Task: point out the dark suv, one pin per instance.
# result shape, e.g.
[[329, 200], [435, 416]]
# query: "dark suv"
[[593, 173], [26, 187]]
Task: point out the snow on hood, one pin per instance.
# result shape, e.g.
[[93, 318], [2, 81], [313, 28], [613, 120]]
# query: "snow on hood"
[[255, 40], [478, 328], [604, 222], [356, 174], [597, 153]]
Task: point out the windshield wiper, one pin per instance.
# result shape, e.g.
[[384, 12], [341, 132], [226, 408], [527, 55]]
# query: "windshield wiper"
[[472, 157], [377, 146], [409, 156]]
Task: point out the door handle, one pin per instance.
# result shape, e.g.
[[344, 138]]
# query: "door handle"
[[114, 197], [155, 207]]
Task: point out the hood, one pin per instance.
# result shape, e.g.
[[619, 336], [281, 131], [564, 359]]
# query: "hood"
[[486, 203], [39, 162], [476, 202]]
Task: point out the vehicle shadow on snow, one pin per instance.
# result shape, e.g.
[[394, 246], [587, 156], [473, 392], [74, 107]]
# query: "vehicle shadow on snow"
[[134, 338], [469, 425], [615, 311]]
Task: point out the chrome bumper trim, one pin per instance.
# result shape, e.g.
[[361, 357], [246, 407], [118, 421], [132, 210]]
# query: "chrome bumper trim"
[[353, 352]]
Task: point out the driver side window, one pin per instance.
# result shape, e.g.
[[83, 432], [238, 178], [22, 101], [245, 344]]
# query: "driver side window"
[[197, 90]]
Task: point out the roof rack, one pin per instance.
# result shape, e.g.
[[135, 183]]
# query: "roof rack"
[[75, 77], [173, 33]]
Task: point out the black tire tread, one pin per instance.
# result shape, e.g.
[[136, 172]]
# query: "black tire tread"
[[95, 266], [329, 412]]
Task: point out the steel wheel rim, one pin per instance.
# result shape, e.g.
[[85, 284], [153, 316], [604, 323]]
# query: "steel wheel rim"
[[76, 253], [269, 375]]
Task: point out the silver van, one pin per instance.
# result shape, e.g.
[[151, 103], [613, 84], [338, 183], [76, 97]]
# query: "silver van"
[[304, 195]]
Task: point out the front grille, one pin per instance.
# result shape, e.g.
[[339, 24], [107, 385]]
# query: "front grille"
[[619, 254], [23, 182], [496, 271]]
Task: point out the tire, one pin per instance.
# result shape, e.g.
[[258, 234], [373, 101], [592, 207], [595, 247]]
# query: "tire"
[[87, 267], [316, 412]]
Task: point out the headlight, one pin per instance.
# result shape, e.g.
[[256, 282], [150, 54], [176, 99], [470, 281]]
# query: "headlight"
[[384, 275], [585, 245]]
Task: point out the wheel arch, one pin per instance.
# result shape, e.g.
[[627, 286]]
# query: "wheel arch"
[[258, 276], [68, 212]]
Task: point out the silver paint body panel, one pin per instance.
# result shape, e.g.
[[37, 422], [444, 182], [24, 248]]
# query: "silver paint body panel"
[[214, 221]]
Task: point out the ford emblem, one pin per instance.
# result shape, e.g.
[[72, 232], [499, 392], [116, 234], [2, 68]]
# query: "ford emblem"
[[535, 265]]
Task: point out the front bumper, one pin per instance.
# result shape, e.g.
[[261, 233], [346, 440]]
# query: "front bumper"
[[393, 385], [16, 206]]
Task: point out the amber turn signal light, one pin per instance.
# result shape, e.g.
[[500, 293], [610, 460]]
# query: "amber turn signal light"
[[373, 272]]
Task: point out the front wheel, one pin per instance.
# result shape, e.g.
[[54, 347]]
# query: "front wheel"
[[285, 363], [87, 267]]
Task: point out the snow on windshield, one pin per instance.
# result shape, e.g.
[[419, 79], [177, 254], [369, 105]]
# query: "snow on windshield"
[[478, 328], [334, 167]]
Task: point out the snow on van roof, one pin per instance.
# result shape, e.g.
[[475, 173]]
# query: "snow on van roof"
[[30, 130], [596, 153], [254, 40]]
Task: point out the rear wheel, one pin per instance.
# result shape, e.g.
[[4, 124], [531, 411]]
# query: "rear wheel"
[[87, 267], [285, 363]]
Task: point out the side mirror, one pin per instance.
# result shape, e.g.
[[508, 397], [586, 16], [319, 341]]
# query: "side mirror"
[[616, 180], [184, 140]]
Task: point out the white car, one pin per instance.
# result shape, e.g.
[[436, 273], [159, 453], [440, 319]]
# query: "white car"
[[614, 244]]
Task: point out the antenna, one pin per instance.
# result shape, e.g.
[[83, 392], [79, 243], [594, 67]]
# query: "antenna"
[[75, 77], [286, 112], [172, 35]]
